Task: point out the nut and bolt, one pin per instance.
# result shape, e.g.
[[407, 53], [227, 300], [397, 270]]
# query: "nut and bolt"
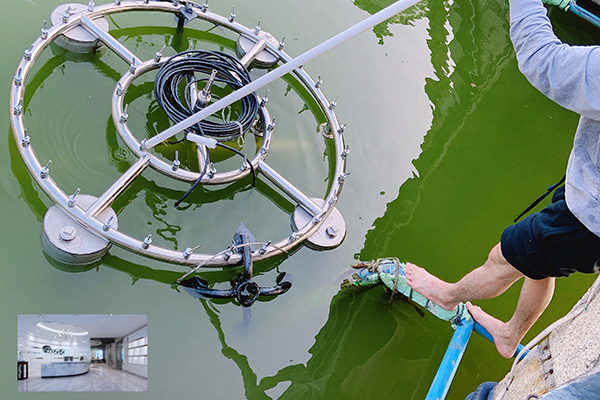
[[68, 233], [176, 162], [332, 231], [108, 223], [45, 170], [73, 198], [147, 241], [44, 31], [318, 83]]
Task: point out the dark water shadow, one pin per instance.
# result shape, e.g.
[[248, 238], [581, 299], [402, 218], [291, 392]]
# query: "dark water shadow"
[[348, 352]]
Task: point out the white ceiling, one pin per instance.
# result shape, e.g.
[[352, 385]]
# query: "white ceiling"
[[98, 325]]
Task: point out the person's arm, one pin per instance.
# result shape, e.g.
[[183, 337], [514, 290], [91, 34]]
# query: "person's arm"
[[569, 75]]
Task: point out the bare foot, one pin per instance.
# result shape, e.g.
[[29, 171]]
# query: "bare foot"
[[504, 341], [430, 286]]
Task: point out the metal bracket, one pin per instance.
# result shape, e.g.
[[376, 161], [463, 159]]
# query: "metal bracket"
[[244, 289]]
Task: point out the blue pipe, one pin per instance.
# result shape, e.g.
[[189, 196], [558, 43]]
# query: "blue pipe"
[[583, 13], [449, 365]]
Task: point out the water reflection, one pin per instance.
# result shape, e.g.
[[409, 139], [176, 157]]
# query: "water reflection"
[[407, 17], [363, 342], [469, 49]]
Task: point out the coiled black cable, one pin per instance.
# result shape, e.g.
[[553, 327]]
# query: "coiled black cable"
[[181, 67]]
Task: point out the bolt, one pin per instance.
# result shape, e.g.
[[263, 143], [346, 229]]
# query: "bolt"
[[176, 162], [159, 54], [117, 2], [318, 83], [232, 15], [73, 198], [204, 7], [143, 144], [293, 237], [257, 29], [26, 140], [91, 6], [263, 249], [342, 177], [345, 152], [281, 44], [68, 233], [262, 151], [45, 170], [342, 129], [265, 99], [271, 124], [44, 31], [333, 103], [132, 67], [124, 115], [18, 110], [66, 14], [18, 79], [212, 170], [108, 223], [317, 219], [333, 200], [147, 241], [120, 90], [227, 255], [332, 231], [27, 53], [189, 251]]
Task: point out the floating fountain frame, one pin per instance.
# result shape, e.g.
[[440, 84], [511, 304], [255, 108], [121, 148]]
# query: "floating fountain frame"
[[90, 220]]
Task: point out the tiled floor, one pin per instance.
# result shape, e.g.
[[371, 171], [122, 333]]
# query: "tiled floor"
[[101, 378]]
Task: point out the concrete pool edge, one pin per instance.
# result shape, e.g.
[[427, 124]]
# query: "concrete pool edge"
[[570, 354]]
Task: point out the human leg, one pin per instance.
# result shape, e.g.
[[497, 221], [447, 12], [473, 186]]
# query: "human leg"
[[490, 280], [533, 300]]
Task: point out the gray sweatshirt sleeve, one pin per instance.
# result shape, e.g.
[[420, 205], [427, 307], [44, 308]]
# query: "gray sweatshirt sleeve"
[[568, 75]]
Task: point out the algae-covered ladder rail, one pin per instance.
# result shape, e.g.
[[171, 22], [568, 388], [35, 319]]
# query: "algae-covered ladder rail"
[[390, 272]]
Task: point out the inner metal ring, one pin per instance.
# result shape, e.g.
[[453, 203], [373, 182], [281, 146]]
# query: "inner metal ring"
[[159, 164]]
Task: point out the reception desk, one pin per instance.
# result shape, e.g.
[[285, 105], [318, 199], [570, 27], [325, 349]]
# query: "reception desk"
[[65, 368]]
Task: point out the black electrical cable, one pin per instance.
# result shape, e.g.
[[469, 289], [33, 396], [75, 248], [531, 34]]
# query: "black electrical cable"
[[178, 202], [181, 67], [252, 171]]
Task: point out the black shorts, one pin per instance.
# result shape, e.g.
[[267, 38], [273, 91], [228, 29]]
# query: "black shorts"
[[551, 242]]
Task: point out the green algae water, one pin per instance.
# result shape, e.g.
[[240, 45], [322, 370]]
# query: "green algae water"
[[448, 144]]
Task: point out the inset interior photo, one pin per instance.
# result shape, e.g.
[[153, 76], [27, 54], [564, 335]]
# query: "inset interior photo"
[[82, 353]]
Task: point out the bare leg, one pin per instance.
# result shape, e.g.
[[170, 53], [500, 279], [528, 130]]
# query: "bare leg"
[[533, 300], [490, 280]]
